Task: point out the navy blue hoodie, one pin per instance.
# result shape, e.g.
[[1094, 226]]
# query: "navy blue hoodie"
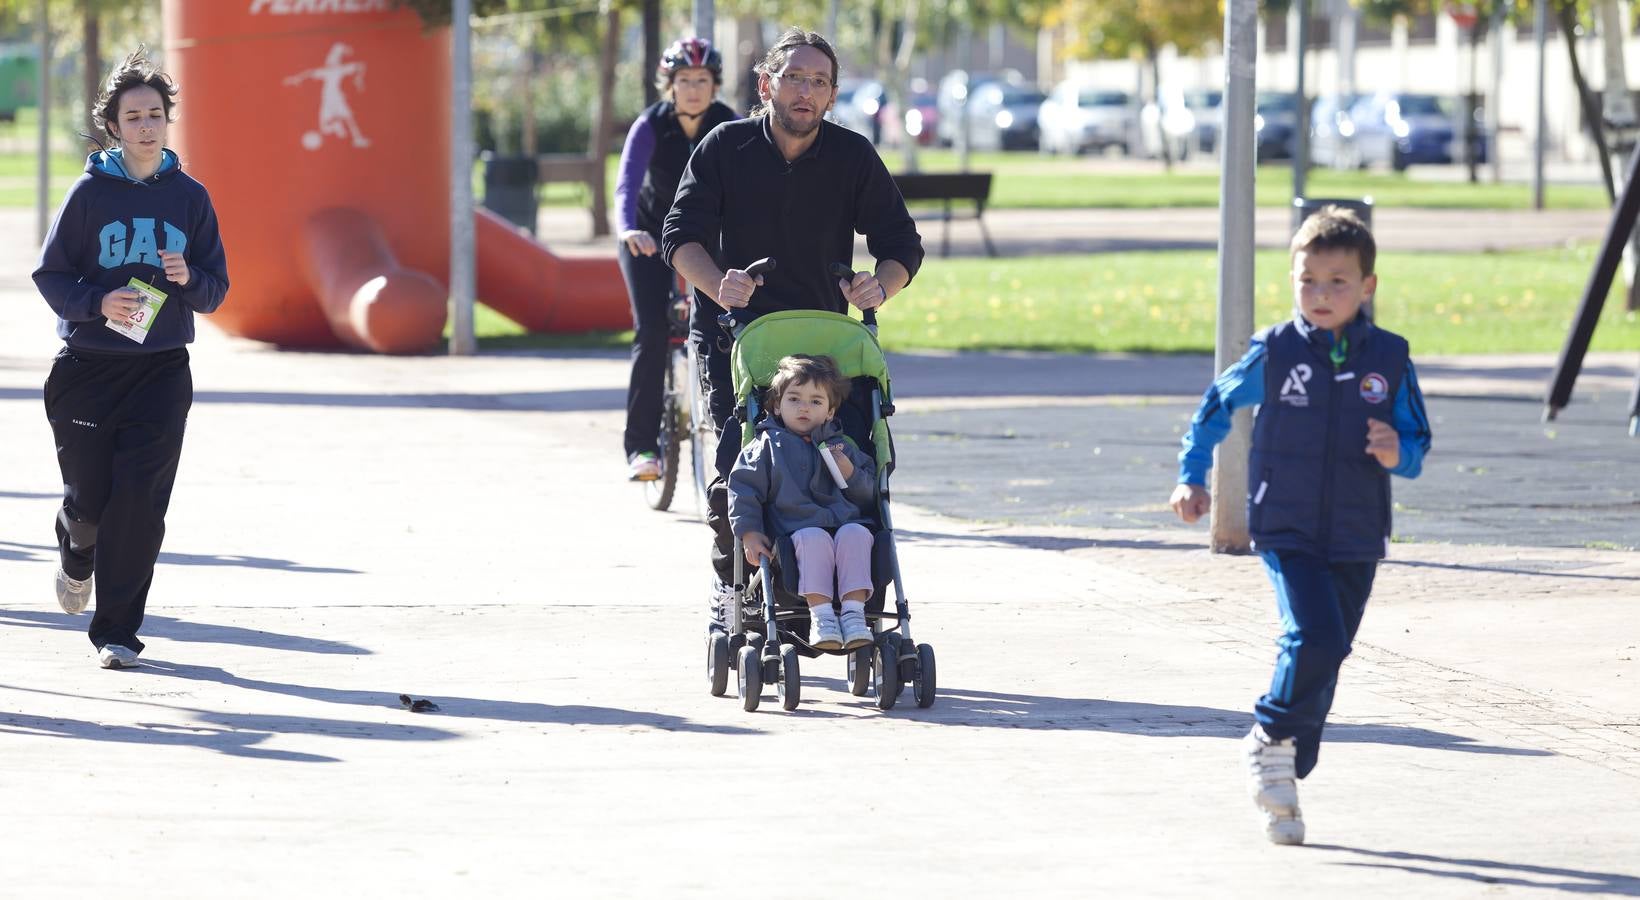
[[112, 227]]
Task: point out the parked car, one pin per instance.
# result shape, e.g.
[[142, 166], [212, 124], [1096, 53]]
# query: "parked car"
[[920, 122], [1332, 133], [1207, 106], [950, 97], [1399, 130], [859, 107], [1079, 117], [1177, 123], [1275, 124], [1002, 116]]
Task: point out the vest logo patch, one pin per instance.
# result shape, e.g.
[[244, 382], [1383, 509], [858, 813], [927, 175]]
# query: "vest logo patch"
[[1293, 391], [1374, 388]]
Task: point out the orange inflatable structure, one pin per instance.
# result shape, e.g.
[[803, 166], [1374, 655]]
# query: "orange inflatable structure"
[[322, 129]]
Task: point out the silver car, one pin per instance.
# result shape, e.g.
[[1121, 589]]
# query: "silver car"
[[1077, 118]]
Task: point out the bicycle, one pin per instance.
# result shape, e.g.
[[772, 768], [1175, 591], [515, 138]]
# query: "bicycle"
[[684, 413]]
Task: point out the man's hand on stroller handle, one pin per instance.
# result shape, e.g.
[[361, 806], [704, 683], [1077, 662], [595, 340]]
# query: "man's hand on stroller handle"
[[736, 288], [756, 546], [860, 289]]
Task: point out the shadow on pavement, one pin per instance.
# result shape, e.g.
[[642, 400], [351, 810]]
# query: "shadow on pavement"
[[176, 629], [1486, 871], [229, 734], [47, 552], [1505, 570], [990, 709], [1054, 542], [451, 707], [582, 400]]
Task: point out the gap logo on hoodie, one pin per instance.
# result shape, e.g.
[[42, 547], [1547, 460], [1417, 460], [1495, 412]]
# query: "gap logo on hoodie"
[[123, 244]]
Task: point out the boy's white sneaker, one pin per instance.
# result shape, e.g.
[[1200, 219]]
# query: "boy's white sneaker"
[[827, 634], [856, 633], [72, 596], [114, 656], [1273, 782]]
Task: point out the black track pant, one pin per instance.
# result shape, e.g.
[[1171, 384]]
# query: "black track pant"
[[118, 422], [713, 348], [649, 289]]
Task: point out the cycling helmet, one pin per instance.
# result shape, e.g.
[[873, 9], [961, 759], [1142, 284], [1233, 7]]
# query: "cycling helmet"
[[690, 53]]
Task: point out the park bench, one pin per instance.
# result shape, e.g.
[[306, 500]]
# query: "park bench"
[[583, 169], [946, 188]]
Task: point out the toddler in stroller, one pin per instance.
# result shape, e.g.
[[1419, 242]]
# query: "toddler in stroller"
[[800, 477]]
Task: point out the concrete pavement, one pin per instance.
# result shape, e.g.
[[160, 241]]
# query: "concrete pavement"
[[347, 529]]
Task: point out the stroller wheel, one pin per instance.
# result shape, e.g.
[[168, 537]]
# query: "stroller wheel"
[[790, 684], [717, 662], [923, 683], [859, 671], [750, 680], [885, 672]]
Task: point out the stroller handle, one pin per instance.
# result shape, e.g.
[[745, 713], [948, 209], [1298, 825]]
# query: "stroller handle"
[[869, 316], [726, 319]]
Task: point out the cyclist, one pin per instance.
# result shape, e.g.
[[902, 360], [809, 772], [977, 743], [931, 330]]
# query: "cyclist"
[[652, 161]]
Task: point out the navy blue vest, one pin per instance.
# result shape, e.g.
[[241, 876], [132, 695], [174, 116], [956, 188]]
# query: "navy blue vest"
[[1311, 485], [671, 155]]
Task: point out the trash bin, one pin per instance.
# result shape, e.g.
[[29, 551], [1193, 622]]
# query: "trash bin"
[[1304, 207], [509, 188]]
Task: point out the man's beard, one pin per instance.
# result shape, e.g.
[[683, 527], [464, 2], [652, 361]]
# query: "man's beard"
[[782, 115]]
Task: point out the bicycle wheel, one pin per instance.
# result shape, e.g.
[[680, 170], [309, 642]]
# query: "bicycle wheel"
[[658, 493]]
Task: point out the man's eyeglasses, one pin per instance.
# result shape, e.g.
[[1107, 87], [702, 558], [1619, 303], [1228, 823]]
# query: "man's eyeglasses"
[[818, 83]]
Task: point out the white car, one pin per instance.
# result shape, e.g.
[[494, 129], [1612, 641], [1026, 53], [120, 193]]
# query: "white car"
[[1079, 117]]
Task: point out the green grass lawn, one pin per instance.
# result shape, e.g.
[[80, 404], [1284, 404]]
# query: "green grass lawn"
[[1021, 181], [1030, 181], [1165, 302]]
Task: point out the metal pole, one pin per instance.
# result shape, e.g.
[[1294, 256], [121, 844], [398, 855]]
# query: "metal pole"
[[1235, 325], [1594, 295], [462, 277], [1540, 24], [1301, 137], [42, 176], [705, 19]]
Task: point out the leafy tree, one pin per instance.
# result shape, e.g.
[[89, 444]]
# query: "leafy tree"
[[1141, 28]]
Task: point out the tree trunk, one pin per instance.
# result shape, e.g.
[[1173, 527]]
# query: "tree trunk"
[[901, 77], [526, 92], [1567, 11], [91, 44], [651, 50], [1153, 54], [1468, 130], [604, 120]]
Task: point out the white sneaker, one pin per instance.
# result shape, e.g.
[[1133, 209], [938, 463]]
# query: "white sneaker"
[[1273, 782], [114, 656], [856, 633], [643, 467], [827, 636], [72, 595]]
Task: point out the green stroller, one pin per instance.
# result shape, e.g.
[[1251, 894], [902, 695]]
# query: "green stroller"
[[764, 628]]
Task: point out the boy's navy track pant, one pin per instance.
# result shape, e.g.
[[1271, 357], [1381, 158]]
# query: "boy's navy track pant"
[[1321, 605]]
